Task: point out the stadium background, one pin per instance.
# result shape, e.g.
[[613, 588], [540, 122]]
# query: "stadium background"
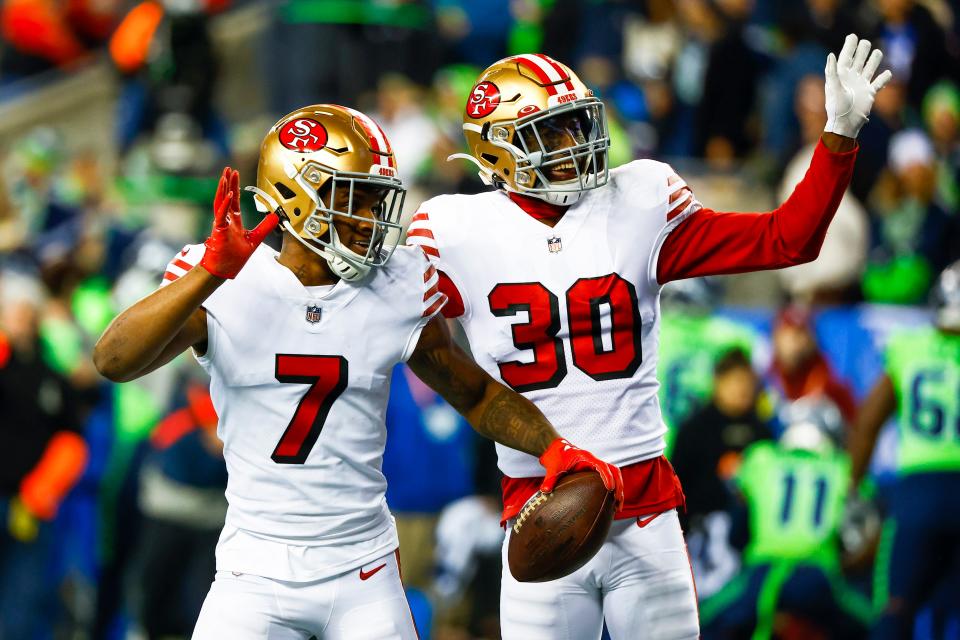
[[116, 118]]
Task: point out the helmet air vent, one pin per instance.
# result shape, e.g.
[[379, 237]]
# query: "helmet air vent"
[[285, 192]]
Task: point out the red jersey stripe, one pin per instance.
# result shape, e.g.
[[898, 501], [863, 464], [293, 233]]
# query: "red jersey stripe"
[[680, 208], [429, 273], [186, 266], [169, 275], [423, 233], [419, 216], [433, 308], [432, 291]]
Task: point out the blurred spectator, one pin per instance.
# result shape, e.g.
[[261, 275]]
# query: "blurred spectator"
[[165, 52], [692, 340], [799, 368], [824, 22], [402, 114], [809, 30], [44, 456], [886, 119], [794, 492], [428, 463], [913, 238], [41, 35], [451, 86], [33, 173], [729, 83], [336, 50], [182, 487], [941, 116], [468, 556], [915, 47], [706, 454], [477, 32], [835, 275]]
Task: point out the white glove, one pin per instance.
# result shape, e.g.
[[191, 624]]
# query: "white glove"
[[849, 90]]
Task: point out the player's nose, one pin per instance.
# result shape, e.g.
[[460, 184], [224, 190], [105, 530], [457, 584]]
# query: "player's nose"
[[364, 220], [560, 139]]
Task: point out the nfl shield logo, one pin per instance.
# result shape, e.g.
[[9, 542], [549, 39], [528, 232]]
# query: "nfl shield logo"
[[554, 244], [313, 314]]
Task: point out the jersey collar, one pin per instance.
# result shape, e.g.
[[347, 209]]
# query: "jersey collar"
[[536, 208]]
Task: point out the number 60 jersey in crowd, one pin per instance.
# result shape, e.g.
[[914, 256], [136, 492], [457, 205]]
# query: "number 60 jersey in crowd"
[[300, 380]]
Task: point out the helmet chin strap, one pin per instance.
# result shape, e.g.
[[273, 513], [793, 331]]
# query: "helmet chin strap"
[[342, 267]]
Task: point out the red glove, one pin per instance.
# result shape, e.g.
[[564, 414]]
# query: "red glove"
[[230, 245], [562, 457]]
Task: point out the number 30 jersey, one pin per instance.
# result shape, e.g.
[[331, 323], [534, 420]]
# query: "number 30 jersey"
[[300, 381], [568, 315]]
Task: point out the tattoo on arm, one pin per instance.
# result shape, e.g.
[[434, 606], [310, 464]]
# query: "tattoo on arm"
[[462, 389], [492, 409], [514, 421]]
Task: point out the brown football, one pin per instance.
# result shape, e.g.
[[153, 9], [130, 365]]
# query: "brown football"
[[557, 533]]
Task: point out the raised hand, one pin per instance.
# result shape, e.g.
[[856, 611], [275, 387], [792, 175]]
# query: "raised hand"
[[850, 91], [230, 245], [562, 457]]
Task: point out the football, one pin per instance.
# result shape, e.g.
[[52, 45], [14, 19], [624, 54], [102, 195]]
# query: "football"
[[557, 533]]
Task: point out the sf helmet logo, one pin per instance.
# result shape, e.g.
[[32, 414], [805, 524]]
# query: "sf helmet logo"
[[484, 98], [303, 134]]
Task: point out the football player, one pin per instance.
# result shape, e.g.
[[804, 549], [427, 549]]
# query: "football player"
[[794, 492], [299, 347], [556, 276], [921, 386]]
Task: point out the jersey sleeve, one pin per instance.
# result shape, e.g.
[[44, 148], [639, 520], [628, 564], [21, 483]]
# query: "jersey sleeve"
[[717, 243], [431, 304], [187, 259], [420, 233]]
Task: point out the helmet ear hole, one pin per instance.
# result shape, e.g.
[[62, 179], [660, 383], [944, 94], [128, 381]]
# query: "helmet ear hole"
[[286, 192], [489, 157]]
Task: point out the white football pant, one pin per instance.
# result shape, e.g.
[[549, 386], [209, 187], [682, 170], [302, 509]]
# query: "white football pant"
[[639, 582], [364, 604]]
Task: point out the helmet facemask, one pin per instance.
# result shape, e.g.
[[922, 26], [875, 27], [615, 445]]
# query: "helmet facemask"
[[548, 166], [335, 195]]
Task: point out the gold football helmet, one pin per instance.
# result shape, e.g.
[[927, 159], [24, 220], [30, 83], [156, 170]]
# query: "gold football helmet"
[[309, 157], [532, 127]]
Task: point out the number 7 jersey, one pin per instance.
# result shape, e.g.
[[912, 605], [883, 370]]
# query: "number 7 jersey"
[[568, 315], [300, 379]]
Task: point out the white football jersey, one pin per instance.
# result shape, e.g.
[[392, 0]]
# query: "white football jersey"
[[568, 315], [300, 380]]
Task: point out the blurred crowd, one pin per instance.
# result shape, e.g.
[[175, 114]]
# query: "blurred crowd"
[[111, 496]]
